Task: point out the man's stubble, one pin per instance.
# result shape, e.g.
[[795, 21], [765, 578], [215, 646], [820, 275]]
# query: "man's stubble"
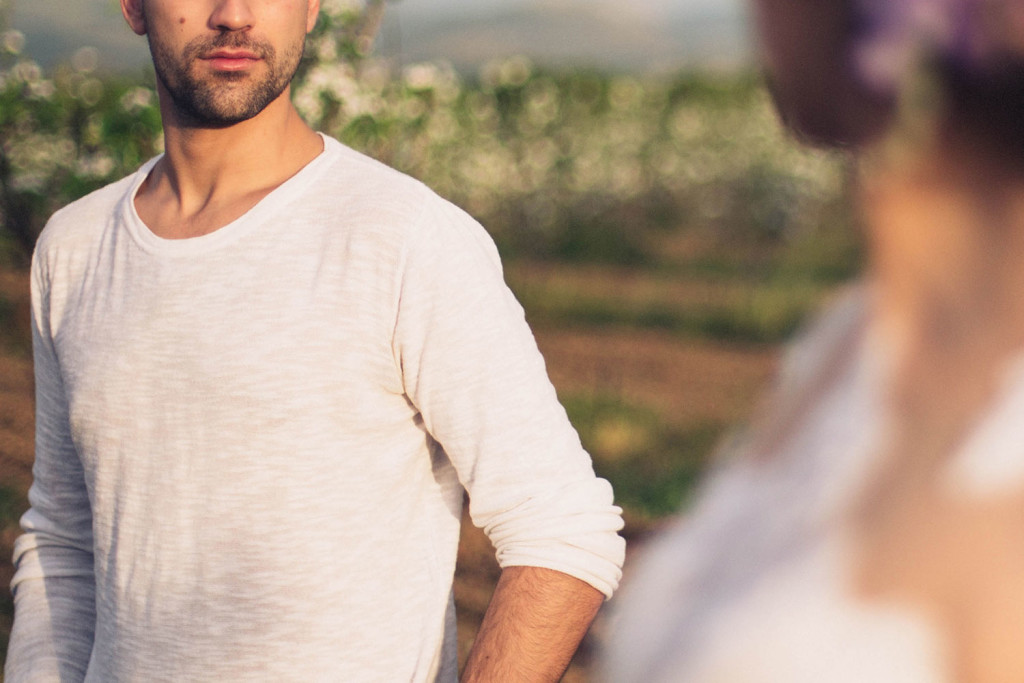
[[226, 98]]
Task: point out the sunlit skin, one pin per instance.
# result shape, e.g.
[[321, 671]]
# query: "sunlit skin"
[[946, 231]]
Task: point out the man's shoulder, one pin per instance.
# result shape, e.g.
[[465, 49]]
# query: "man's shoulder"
[[365, 182], [380, 198], [363, 165], [83, 219]]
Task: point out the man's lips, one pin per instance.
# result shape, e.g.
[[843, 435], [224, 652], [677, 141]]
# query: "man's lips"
[[231, 60]]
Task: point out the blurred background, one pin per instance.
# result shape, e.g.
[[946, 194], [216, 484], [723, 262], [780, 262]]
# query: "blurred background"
[[662, 232]]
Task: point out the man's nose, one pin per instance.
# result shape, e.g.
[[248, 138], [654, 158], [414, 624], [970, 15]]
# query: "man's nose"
[[232, 15]]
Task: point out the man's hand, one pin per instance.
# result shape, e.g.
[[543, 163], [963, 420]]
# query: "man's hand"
[[533, 626]]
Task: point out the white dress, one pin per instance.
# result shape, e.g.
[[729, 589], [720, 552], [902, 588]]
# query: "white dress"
[[754, 583]]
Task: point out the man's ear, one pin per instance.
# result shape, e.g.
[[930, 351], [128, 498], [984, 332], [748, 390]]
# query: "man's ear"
[[133, 14], [312, 12]]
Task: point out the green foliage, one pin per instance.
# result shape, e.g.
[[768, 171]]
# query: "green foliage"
[[63, 135], [579, 166], [571, 166], [761, 315], [728, 291], [652, 467]]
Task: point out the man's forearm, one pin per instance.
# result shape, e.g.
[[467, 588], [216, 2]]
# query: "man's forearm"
[[533, 626]]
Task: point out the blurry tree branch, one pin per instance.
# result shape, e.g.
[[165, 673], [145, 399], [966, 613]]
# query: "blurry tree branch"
[[369, 26], [15, 212]]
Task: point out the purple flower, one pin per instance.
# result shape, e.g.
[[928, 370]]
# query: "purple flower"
[[892, 35]]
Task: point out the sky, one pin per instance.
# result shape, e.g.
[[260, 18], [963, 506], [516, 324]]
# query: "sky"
[[609, 34]]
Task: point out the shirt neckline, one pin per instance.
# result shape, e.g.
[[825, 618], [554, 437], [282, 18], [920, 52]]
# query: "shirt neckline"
[[231, 232]]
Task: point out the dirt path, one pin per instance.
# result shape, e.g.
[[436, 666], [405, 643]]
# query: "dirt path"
[[684, 381]]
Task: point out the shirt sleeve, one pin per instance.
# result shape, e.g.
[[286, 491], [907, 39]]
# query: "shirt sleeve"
[[54, 583], [471, 366]]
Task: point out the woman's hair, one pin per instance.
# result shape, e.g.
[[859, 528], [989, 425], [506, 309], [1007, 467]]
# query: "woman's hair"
[[837, 67], [892, 38]]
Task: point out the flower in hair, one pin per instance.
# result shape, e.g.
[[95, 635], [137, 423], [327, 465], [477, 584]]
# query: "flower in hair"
[[891, 36]]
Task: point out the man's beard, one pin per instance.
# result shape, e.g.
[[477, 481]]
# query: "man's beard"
[[222, 99]]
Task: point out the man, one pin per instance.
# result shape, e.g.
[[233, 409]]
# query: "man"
[[267, 367]]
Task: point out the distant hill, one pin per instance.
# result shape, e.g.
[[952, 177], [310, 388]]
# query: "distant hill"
[[55, 29], [605, 34], [583, 33]]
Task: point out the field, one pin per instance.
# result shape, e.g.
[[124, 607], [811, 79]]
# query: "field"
[[663, 234]]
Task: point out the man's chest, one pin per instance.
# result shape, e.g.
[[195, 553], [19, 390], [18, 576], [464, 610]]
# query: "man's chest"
[[198, 359]]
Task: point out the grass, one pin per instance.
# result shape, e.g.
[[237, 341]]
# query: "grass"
[[762, 315], [694, 284], [652, 466]]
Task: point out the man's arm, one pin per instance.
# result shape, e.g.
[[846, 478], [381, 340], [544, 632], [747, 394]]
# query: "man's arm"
[[54, 585], [471, 366], [533, 625]]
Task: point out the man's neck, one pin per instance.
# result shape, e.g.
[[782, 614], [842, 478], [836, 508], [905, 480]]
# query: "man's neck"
[[208, 177]]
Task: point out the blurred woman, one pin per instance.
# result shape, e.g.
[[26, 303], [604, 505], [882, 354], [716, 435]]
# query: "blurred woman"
[[870, 526]]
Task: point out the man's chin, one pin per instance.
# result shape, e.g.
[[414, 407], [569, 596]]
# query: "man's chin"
[[215, 120], [213, 115], [216, 104]]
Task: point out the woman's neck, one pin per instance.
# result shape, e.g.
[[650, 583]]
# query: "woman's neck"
[[946, 233], [946, 243]]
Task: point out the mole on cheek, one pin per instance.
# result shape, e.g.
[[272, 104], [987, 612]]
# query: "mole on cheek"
[[181, 20]]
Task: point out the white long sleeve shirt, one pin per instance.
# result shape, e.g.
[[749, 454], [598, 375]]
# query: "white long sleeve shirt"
[[252, 445]]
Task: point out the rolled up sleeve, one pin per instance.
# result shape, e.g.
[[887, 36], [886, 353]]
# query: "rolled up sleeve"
[[471, 366]]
